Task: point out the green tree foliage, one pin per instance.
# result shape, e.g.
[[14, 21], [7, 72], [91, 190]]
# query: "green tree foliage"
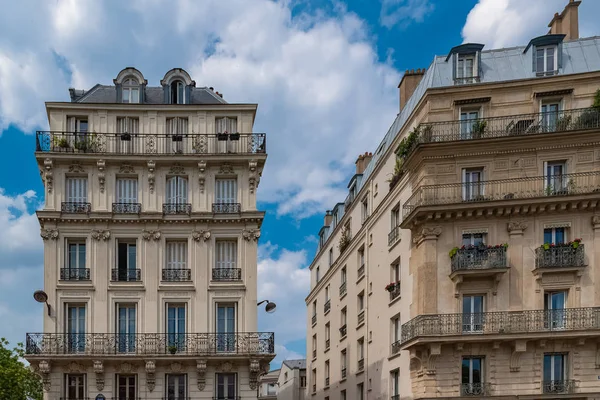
[[17, 381], [596, 103]]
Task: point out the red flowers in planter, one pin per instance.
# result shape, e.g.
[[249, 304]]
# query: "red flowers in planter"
[[392, 286]]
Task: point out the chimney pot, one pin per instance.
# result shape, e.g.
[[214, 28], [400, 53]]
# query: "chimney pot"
[[567, 22], [408, 84], [328, 218]]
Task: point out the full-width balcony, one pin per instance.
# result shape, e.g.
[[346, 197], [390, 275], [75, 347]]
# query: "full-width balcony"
[[149, 344], [149, 144], [465, 199], [503, 325]]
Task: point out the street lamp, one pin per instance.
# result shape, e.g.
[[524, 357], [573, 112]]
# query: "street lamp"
[[270, 307], [41, 297]]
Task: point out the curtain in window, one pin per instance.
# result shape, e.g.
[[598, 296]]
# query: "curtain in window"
[[226, 191], [177, 190], [77, 190], [127, 190], [226, 124], [226, 256], [177, 126], [176, 255]]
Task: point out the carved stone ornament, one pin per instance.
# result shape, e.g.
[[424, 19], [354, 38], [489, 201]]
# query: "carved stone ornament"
[[101, 177], [225, 367], [150, 234], [251, 234], [427, 232], [176, 169], [176, 367], [99, 371], [254, 175], [517, 226], [197, 235], [126, 169], [100, 234], [226, 168], [44, 371], [201, 369], [254, 372], [150, 375], [75, 367], [76, 168], [49, 234], [151, 179], [201, 176], [48, 174], [596, 221]]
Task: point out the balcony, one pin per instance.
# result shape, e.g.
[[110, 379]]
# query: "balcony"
[[327, 382], [176, 274], [149, 344], [344, 373], [342, 289], [361, 271], [314, 319], [75, 207], [394, 290], [507, 325], [479, 261], [361, 317], [226, 274], [314, 354], [126, 275], [149, 144], [126, 208], [558, 387], [361, 365], [177, 208], [226, 208], [501, 196], [396, 347], [475, 389], [560, 256], [327, 306], [74, 274], [327, 344], [343, 331], [393, 236]]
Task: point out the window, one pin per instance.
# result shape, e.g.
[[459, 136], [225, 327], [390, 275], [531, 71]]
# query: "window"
[[326, 372], [76, 255], [343, 275], [343, 362], [472, 376], [314, 345], [555, 235], [77, 124], [314, 308], [226, 191], [128, 125], [177, 92], [126, 324], [327, 335], [327, 293], [176, 327], [321, 240], [344, 315], [126, 387], [343, 395], [271, 389], [395, 217], [226, 257], [546, 60], [176, 255], [176, 387], [555, 303], [556, 181], [76, 327], [364, 208], [361, 261], [555, 373], [131, 89], [76, 190], [226, 125], [361, 301], [360, 391], [314, 380], [465, 68], [396, 329], [550, 114], [318, 274], [127, 190], [75, 386], [303, 381], [360, 348], [468, 124], [395, 379], [473, 239], [330, 256], [226, 327], [226, 387], [177, 190], [126, 262], [176, 128], [473, 187], [473, 309]]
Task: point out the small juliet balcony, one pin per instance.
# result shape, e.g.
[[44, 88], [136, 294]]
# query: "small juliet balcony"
[[226, 208], [558, 386], [75, 207], [126, 275], [327, 306], [563, 257], [342, 289], [226, 274], [393, 236], [126, 208], [177, 208], [475, 389], [176, 274], [74, 274], [343, 331], [394, 290]]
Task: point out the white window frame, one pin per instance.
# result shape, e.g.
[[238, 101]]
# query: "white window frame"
[[176, 395], [396, 329], [471, 238], [546, 50], [130, 87], [78, 243], [467, 116], [462, 70], [330, 256], [176, 254], [344, 275], [226, 254], [550, 180], [549, 118], [564, 366], [468, 195], [82, 384], [317, 274], [473, 322], [395, 217], [226, 125], [126, 190], [180, 98], [74, 124], [361, 301], [553, 234], [226, 190], [76, 189], [180, 186], [482, 372]]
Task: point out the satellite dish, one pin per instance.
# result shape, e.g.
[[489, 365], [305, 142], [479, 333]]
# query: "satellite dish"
[[40, 296]]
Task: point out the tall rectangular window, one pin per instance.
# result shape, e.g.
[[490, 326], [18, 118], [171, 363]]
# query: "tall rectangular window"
[[327, 373], [126, 261], [468, 124], [75, 386], [177, 126], [226, 125], [364, 208], [556, 181], [77, 190], [76, 255], [317, 274], [395, 385], [314, 380], [555, 303], [176, 255], [360, 391], [76, 327], [555, 373], [472, 377], [126, 387], [127, 190], [226, 327], [126, 327], [176, 388], [128, 125], [225, 191], [314, 345], [343, 395], [395, 217], [465, 67], [473, 313], [226, 254], [473, 187], [77, 124], [331, 256], [177, 190], [555, 235], [550, 115], [176, 317], [327, 335], [396, 329], [546, 60], [361, 301]]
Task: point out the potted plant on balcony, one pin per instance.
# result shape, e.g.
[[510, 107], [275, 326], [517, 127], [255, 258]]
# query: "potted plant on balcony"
[[453, 251], [562, 124], [344, 240], [125, 136], [479, 127], [61, 142], [390, 287], [234, 136], [222, 136], [172, 348]]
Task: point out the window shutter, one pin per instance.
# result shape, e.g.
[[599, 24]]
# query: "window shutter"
[[478, 66], [454, 61], [559, 56], [533, 59]]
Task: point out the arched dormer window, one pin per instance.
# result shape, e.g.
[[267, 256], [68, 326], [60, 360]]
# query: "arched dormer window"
[[177, 92], [131, 91]]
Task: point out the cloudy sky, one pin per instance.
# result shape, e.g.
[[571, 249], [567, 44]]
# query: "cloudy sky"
[[324, 73]]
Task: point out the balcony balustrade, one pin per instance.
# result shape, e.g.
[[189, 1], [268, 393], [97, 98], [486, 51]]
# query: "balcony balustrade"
[[327, 344], [560, 256], [126, 208], [342, 289], [343, 331], [177, 208], [343, 373], [226, 208], [226, 274], [361, 317], [394, 291], [74, 274], [361, 271], [314, 388], [475, 389], [393, 236], [126, 275], [176, 274], [75, 207], [497, 324], [149, 144], [558, 387], [147, 344], [327, 306], [314, 319], [396, 347], [327, 382], [478, 258], [502, 190], [361, 364], [314, 354]]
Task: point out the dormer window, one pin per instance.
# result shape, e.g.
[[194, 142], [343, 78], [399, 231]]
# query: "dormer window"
[[546, 60], [466, 63], [131, 91], [177, 92], [465, 68]]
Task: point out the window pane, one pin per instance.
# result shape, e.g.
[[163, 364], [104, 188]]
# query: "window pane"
[[540, 60], [560, 235], [134, 96]]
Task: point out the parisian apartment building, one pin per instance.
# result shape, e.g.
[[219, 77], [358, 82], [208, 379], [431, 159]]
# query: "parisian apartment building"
[[150, 230], [465, 260]]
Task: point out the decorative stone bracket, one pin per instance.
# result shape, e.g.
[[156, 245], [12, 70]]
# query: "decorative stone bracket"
[[201, 234], [254, 175], [426, 233], [425, 360], [126, 169], [99, 371], [516, 227], [100, 234], [596, 221], [44, 372], [201, 370], [49, 234], [150, 234], [48, 175], [151, 178], [254, 373], [520, 347], [101, 177], [251, 234], [201, 175], [150, 375]]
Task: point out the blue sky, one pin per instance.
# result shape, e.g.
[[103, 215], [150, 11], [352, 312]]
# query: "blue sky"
[[324, 73]]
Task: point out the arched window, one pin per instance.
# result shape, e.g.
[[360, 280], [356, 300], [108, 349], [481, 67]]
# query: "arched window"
[[177, 92], [131, 91]]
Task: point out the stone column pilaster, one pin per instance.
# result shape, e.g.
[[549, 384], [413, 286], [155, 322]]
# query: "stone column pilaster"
[[516, 271]]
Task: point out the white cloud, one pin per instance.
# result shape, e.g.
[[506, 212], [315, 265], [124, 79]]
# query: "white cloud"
[[283, 354], [505, 23], [403, 12]]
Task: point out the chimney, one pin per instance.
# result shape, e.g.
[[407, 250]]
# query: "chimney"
[[567, 22], [328, 218], [408, 84], [362, 161]]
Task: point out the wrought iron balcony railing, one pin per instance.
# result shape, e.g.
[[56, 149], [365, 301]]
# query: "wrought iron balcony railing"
[[343, 373], [74, 274], [342, 289], [560, 256], [187, 344], [343, 330], [226, 274], [395, 292], [177, 208], [327, 343], [475, 389], [511, 125], [142, 143], [327, 382], [126, 275], [327, 306], [176, 274], [126, 208], [361, 270], [478, 258], [75, 207], [314, 354], [393, 236], [361, 364], [314, 319], [503, 189], [502, 322], [314, 388], [226, 208], [559, 386], [396, 347], [361, 317]]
